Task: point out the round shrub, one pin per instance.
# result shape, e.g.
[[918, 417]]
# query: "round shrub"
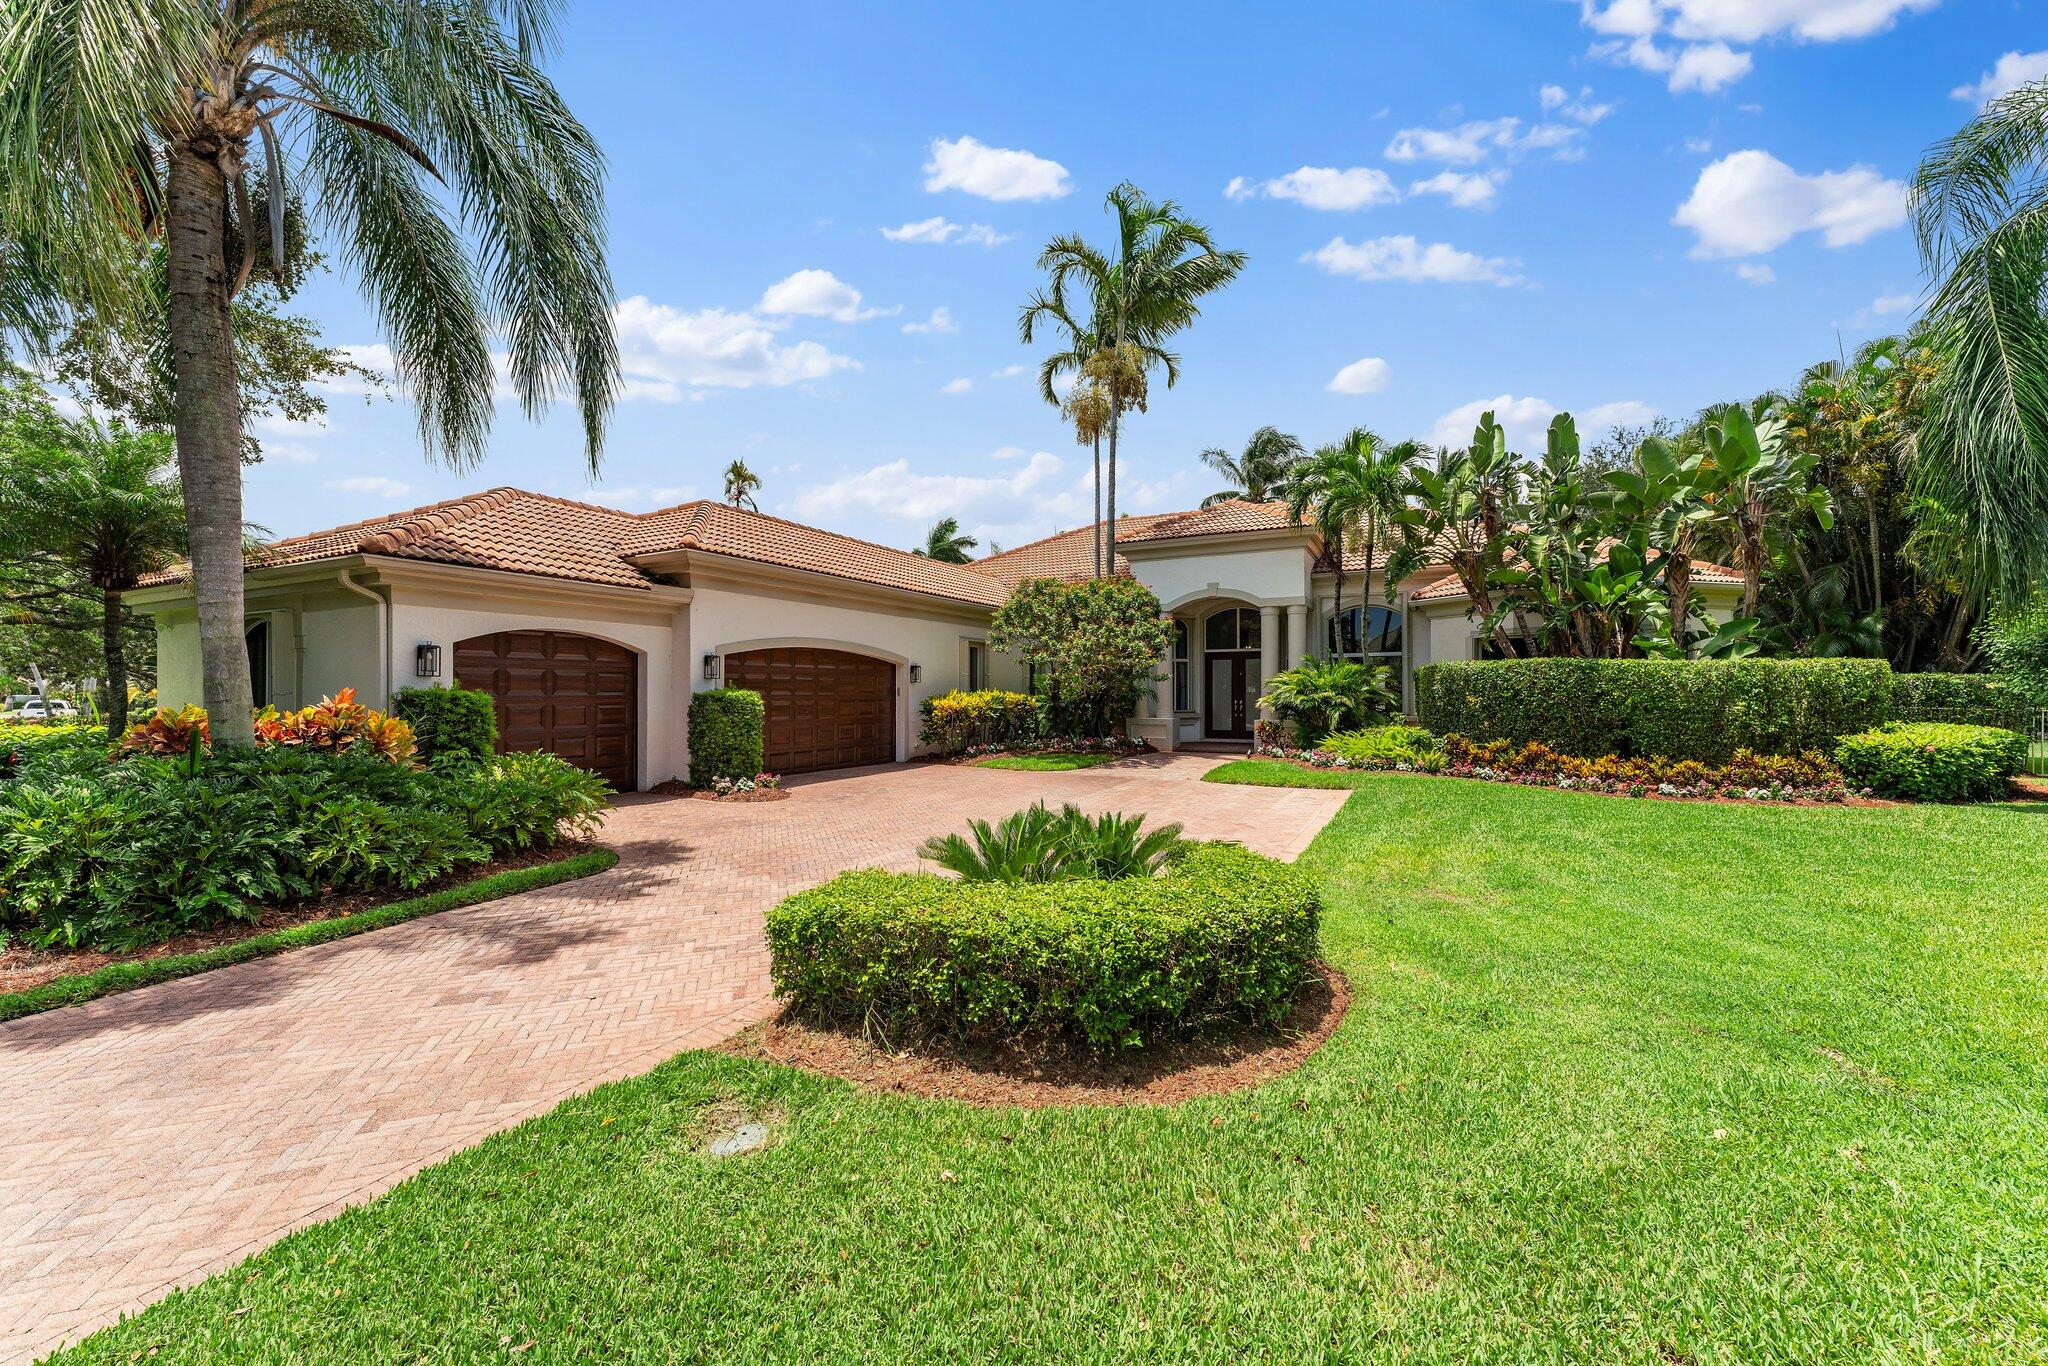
[[451, 726], [1224, 935], [1933, 761], [725, 735]]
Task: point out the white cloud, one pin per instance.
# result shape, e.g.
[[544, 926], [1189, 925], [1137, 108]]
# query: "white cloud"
[[1367, 376], [939, 229], [1699, 146], [372, 484], [1403, 258], [1704, 29], [1885, 304], [2011, 71], [1558, 100], [941, 320], [1006, 372], [291, 451], [894, 490], [1323, 187], [279, 425], [818, 294], [956, 386], [664, 351], [1478, 140], [1748, 203], [1473, 190], [992, 172], [1626, 412], [641, 497], [1705, 67], [1755, 273], [1526, 420]]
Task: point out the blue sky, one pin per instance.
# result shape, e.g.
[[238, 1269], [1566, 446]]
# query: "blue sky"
[[1619, 208]]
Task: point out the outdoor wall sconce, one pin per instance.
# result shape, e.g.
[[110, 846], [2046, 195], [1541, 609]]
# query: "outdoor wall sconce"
[[916, 672], [426, 661], [711, 668]]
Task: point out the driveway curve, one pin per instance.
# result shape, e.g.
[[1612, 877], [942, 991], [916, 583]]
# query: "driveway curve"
[[155, 1137]]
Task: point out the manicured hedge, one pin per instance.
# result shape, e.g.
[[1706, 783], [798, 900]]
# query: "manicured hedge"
[[725, 735], [1972, 699], [1934, 761], [1680, 709], [454, 725], [1224, 935]]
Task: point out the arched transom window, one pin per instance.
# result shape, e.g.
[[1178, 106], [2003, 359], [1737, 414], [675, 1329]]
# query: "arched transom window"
[[1234, 628]]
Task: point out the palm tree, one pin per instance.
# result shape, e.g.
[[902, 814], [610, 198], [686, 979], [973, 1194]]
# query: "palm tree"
[[1163, 265], [944, 542], [740, 483], [102, 502], [1260, 474], [134, 121], [1353, 489], [1086, 405], [1980, 203]]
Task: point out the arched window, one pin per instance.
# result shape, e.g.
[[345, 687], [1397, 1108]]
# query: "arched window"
[[1235, 628]]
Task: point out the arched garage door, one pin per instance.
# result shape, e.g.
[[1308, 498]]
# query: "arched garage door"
[[824, 708], [576, 696]]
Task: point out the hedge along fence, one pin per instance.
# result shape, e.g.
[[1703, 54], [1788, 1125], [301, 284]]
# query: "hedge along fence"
[[1224, 935], [1680, 709], [725, 734], [1970, 699], [450, 725]]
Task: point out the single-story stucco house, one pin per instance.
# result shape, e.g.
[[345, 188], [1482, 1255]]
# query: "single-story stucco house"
[[593, 626]]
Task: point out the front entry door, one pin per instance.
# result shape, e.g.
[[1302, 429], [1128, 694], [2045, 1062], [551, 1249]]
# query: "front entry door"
[[1233, 694]]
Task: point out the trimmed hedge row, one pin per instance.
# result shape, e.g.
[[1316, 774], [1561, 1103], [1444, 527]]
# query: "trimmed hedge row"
[[453, 725], [1970, 699], [956, 722], [1934, 761], [725, 735], [1681, 709], [1224, 934]]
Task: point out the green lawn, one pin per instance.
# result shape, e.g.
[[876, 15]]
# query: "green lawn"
[[1050, 763], [1624, 1081], [1280, 773]]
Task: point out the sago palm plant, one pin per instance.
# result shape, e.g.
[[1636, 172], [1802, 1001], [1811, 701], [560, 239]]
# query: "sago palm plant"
[[419, 134], [1041, 845]]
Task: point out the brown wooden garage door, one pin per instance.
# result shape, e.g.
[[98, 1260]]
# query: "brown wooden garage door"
[[824, 708], [571, 695]]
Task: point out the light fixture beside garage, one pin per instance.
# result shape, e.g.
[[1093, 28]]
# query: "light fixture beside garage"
[[710, 667], [426, 661], [916, 672]]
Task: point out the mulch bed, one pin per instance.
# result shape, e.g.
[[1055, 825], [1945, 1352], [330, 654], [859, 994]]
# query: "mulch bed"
[[676, 787], [22, 967], [1164, 1074]]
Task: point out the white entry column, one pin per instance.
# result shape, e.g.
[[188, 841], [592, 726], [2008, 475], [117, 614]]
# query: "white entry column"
[[1269, 651], [1297, 635]]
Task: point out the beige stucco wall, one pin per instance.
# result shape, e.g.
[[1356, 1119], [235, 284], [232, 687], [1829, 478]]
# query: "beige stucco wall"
[[1272, 575]]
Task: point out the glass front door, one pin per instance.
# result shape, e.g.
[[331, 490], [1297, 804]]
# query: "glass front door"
[[1232, 695]]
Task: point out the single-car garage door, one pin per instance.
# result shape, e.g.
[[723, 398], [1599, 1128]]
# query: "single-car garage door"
[[824, 708], [571, 695]]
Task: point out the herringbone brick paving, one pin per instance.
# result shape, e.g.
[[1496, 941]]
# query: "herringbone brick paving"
[[150, 1139]]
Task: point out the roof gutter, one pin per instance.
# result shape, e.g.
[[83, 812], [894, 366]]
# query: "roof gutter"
[[382, 700]]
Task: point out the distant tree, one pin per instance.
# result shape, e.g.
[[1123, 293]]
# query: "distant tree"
[[1352, 490], [740, 483], [1260, 473], [944, 542]]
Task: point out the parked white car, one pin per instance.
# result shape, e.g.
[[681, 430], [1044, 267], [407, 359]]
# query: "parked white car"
[[30, 708]]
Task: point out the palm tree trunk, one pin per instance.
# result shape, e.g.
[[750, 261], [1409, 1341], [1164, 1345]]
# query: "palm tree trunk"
[[1678, 591], [1098, 506], [207, 419], [115, 711], [1109, 525]]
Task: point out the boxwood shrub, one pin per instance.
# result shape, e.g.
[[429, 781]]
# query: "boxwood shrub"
[[454, 725], [1933, 761], [1973, 699], [1679, 709], [1223, 935], [725, 735]]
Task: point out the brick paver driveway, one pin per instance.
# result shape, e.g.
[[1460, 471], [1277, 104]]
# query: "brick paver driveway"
[[151, 1138]]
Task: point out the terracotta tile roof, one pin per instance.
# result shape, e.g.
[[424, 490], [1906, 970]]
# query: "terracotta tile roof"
[[532, 533], [720, 529], [1449, 586], [1067, 555], [1218, 519]]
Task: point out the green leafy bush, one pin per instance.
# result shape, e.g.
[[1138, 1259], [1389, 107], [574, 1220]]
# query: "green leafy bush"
[[2015, 645], [1384, 745], [955, 722], [1933, 761], [1223, 935], [1040, 845], [1319, 696], [39, 752], [1974, 699], [725, 735], [451, 726], [135, 852], [1703, 710]]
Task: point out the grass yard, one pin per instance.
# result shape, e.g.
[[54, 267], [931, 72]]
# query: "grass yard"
[[1623, 1081], [1050, 763], [1280, 773]]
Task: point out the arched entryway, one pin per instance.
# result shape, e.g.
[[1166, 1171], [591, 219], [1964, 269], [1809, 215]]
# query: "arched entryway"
[[1231, 676], [822, 708], [571, 695]]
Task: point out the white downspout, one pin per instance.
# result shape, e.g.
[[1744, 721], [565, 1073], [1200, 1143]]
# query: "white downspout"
[[383, 699]]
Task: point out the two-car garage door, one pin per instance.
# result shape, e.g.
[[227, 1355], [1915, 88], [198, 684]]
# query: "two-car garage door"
[[824, 708]]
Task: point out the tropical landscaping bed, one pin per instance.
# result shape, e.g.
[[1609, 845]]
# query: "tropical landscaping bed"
[[1780, 1104]]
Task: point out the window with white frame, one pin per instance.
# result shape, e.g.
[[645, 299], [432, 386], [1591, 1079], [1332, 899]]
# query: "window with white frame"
[[1180, 666], [977, 666], [1369, 635]]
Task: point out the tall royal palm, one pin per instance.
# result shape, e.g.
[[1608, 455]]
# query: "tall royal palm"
[[1149, 287], [1353, 490], [1085, 405], [124, 122], [1261, 473], [1981, 211]]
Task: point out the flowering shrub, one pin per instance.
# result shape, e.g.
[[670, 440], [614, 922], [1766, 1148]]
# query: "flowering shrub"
[[1058, 744], [964, 722], [334, 724], [731, 787], [166, 733]]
